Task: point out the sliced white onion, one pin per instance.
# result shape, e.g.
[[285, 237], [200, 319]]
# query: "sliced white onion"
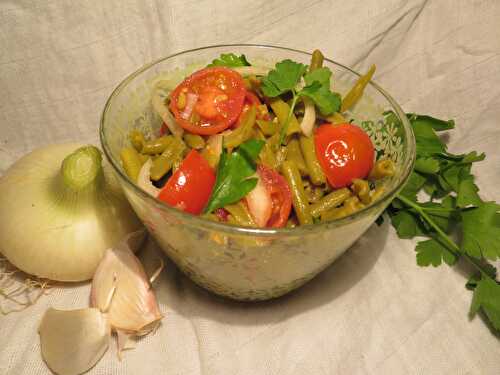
[[309, 119], [252, 70], [144, 180], [72, 342], [260, 203], [158, 98], [191, 100]]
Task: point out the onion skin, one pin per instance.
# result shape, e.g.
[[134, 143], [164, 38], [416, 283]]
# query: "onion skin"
[[53, 232]]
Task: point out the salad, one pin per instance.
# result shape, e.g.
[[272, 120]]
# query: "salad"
[[255, 147]]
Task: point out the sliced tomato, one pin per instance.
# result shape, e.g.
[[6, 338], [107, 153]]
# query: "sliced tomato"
[[281, 196], [190, 186], [220, 94], [251, 99], [345, 152]]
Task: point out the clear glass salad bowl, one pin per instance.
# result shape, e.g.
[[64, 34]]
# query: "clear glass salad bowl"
[[246, 263]]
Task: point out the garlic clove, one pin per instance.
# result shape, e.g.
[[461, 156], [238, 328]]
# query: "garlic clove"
[[72, 342], [133, 307]]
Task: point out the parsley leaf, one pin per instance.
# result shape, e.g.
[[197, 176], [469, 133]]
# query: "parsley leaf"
[[427, 141], [427, 165], [487, 297], [230, 60], [436, 124], [432, 252], [414, 184], [283, 78], [233, 180], [406, 224], [467, 193], [481, 231], [327, 101]]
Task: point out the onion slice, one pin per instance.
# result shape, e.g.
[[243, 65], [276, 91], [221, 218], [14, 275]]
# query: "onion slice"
[[72, 342], [133, 308], [144, 180], [260, 203], [309, 119], [191, 100], [158, 98], [252, 70]]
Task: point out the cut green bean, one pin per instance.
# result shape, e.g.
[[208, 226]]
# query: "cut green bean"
[[382, 168], [269, 128], [362, 189], [163, 163], [194, 141], [314, 168], [239, 213], [158, 145], [131, 162], [299, 199], [334, 199], [294, 154], [350, 206], [281, 110], [243, 132], [316, 60], [137, 139]]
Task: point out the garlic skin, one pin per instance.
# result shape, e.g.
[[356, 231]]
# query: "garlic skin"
[[133, 308], [72, 342]]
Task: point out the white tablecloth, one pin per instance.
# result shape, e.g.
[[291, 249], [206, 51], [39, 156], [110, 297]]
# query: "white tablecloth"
[[374, 311]]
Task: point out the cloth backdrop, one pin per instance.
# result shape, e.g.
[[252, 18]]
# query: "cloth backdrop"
[[374, 311]]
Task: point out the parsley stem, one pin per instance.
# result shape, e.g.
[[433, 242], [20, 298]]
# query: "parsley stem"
[[452, 246], [284, 128]]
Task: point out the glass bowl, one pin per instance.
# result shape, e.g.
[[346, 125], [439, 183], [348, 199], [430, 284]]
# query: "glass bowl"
[[245, 263]]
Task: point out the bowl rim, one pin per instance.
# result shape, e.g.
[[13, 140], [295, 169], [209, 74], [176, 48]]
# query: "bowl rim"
[[200, 222]]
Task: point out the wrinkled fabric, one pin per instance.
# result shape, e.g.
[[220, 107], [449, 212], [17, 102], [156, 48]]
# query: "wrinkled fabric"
[[374, 311]]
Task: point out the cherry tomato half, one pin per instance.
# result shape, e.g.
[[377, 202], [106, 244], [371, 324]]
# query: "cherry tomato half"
[[281, 196], [190, 186], [220, 94], [250, 99], [345, 152]]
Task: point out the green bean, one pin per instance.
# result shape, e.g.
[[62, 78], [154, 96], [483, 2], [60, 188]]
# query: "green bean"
[[351, 205], [238, 213], [158, 145], [137, 139], [268, 153], [194, 141], [269, 128], [357, 90], [131, 162], [243, 132], [313, 193], [316, 60], [281, 110], [294, 154], [163, 163], [335, 198], [143, 158], [314, 168], [336, 118], [382, 168], [361, 189], [299, 199], [377, 193]]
